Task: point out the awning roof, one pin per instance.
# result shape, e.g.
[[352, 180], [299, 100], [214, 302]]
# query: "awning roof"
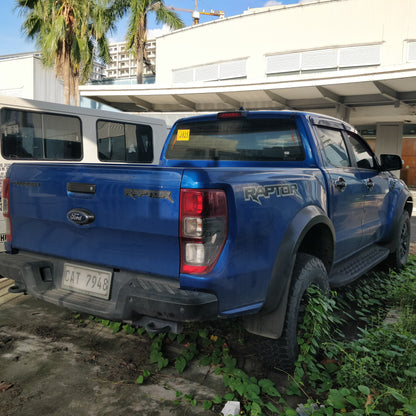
[[367, 97]]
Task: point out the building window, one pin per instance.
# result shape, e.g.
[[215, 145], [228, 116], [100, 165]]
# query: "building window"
[[323, 59], [212, 72], [411, 51]]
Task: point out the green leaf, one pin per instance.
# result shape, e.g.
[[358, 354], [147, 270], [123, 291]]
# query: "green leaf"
[[217, 399], [205, 360], [397, 395], [141, 331], [207, 404], [203, 333], [188, 397], [140, 380], [162, 363], [364, 390], [267, 387], [337, 399], [229, 397], [293, 390], [128, 329], [411, 372], [115, 326], [146, 373], [352, 400], [255, 409], [180, 364], [272, 407]]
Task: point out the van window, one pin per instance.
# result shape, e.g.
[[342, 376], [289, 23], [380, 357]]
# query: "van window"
[[124, 142], [38, 136]]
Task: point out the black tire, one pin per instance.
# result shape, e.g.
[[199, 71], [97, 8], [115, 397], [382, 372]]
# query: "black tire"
[[308, 271], [398, 258]]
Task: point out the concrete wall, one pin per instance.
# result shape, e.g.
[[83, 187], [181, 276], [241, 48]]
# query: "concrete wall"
[[26, 77]]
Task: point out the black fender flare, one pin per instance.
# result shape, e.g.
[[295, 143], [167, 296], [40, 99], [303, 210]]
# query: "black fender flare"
[[270, 320], [404, 202]]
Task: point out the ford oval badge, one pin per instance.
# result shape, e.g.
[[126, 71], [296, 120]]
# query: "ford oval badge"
[[80, 216]]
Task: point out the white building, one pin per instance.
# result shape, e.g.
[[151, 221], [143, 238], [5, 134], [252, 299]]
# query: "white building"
[[123, 64], [98, 71], [23, 75]]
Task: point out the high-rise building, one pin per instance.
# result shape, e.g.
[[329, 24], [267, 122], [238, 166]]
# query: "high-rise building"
[[123, 63]]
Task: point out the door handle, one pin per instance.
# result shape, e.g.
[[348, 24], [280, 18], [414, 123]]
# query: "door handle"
[[369, 184], [340, 184], [82, 188]]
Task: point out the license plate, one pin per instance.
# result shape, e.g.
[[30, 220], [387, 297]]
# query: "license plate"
[[94, 282]]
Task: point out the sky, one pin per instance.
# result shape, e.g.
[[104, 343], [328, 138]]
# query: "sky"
[[13, 40]]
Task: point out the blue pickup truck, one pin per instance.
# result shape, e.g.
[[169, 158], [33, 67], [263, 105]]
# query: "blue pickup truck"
[[244, 212]]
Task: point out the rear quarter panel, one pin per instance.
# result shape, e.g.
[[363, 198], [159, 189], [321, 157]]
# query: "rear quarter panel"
[[262, 202]]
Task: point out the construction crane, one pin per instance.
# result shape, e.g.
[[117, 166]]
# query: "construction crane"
[[196, 13]]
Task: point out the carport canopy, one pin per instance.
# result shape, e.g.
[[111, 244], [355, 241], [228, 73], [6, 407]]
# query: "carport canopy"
[[387, 95]]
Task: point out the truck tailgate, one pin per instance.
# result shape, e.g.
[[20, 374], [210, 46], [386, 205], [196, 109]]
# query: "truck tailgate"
[[121, 217]]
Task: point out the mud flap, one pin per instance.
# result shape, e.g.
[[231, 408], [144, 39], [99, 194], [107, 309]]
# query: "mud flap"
[[269, 325]]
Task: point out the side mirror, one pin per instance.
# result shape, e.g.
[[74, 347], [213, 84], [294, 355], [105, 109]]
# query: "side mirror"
[[391, 162]]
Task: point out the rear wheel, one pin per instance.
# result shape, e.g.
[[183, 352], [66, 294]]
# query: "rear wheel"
[[398, 258], [308, 271]]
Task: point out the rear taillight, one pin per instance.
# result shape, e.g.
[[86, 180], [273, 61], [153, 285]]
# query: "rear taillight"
[[5, 196], [203, 229]]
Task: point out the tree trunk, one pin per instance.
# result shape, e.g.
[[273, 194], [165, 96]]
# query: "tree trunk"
[[139, 62], [74, 89], [141, 43], [67, 78]]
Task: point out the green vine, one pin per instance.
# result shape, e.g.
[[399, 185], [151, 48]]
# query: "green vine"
[[374, 373]]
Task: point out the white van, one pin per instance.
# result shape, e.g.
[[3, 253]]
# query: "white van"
[[40, 131]]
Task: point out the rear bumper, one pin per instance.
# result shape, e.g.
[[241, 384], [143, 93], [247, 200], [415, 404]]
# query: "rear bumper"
[[133, 295]]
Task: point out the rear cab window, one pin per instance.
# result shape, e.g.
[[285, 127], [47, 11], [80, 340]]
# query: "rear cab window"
[[237, 139]]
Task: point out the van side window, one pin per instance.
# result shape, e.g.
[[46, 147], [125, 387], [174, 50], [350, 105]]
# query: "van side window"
[[334, 149], [40, 136], [124, 142]]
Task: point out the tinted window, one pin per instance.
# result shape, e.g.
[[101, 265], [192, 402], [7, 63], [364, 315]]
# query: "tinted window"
[[334, 148], [123, 142], [33, 135], [362, 154], [237, 139]]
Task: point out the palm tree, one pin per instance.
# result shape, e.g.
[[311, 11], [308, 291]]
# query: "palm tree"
[[137, 26], [64, 31]]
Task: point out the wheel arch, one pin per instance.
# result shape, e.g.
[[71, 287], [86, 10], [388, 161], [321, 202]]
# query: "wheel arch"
[[404, 203], [310, 232]]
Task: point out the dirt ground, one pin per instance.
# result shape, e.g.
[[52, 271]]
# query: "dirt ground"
[[53, 364]]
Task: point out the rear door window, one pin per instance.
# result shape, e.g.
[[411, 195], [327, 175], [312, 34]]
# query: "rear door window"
[[242, 139]]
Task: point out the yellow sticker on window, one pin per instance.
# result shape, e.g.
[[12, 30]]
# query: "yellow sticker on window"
[[183, 135]]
